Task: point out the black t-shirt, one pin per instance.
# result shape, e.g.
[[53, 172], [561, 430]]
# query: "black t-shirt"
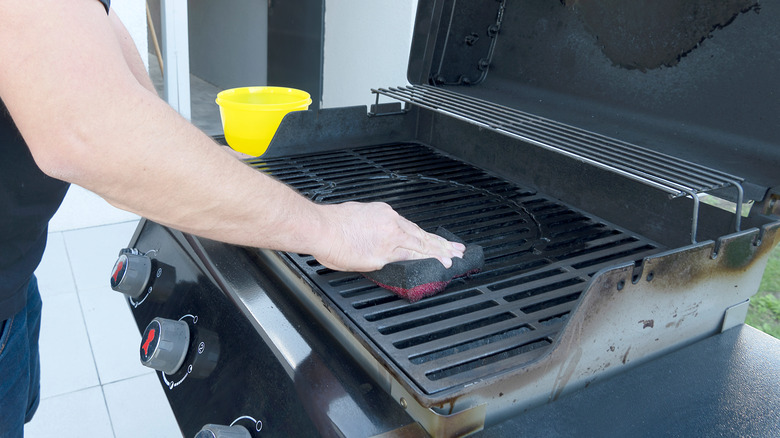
[[28, 199]]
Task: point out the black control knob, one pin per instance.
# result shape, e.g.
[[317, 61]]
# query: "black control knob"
[[131, 273], [217, 431], [165, 344]]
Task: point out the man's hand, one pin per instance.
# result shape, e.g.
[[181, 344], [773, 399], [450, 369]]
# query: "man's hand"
[[364, 237]]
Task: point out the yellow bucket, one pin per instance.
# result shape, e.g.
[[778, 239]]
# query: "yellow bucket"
[[251, 115]]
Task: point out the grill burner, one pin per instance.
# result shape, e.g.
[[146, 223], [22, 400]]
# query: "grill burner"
[[539, 257]]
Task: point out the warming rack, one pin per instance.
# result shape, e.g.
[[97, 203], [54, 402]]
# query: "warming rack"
[[677, 177]]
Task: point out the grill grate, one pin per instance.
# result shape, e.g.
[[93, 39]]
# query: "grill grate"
[[539, 256]]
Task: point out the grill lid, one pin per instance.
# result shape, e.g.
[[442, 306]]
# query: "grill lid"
[[696, 82]]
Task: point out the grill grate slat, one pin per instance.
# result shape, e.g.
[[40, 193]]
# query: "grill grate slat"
[[539, 257]]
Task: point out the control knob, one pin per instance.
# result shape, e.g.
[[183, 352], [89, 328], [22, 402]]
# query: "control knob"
[[131, 273], [217, 431], [165, 344]]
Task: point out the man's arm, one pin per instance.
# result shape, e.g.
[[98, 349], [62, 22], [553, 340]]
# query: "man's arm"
[[131, 55], [87, 119]]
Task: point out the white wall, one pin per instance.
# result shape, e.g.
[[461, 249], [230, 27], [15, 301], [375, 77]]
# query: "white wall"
[[229, 41], [366, 46], [133, 15]]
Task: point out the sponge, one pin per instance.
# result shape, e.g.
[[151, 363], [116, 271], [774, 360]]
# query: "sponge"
[[417, 279]]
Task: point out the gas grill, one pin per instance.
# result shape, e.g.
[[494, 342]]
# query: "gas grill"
[[623, 231]]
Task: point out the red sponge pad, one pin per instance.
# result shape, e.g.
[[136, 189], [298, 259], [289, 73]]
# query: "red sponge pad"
[[417, 279]]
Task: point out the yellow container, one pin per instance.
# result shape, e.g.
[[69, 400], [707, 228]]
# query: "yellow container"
[[251, 115]]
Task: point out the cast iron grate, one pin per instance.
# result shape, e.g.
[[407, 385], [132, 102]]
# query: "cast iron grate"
[[539, 257]]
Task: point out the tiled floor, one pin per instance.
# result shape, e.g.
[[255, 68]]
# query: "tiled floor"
[[92, 382]]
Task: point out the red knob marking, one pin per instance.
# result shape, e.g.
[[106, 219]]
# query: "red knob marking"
[[148, 341], [118, 269]]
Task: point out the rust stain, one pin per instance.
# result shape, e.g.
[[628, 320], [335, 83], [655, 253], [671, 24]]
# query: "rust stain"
[[691, 310], [443, 406], [647, 323]]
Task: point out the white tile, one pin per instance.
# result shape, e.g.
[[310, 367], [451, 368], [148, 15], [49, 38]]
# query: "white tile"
[[54, 273], [93, 251], [66, 356], [76, 414], [83, 209], [113, 334], [140, 398]]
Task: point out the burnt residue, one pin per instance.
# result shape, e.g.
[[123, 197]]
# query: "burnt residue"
[[625, 356], [691, 310], [647, 323], [730, 255], [739, 254], [647, 34]]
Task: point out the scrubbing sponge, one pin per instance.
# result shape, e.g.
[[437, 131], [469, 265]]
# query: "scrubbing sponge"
[[417, 279]]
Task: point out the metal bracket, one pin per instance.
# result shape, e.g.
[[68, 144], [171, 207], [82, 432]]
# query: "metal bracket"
[[735, 315], [387, 109]]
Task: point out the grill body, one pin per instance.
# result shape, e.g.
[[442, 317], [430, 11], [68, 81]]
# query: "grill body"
[[585, 180]]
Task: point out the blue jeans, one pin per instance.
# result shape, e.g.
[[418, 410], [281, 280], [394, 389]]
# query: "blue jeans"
[[20, 369]]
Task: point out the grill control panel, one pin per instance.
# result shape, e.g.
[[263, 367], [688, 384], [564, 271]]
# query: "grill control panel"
[[220, 378]]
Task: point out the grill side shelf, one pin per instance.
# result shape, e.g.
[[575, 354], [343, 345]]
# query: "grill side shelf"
[[677, 177]]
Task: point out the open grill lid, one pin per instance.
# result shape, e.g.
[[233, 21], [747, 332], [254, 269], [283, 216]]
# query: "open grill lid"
[[693, 80]]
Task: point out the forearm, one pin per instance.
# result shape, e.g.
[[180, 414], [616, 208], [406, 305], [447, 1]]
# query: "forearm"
[[174, 174]]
